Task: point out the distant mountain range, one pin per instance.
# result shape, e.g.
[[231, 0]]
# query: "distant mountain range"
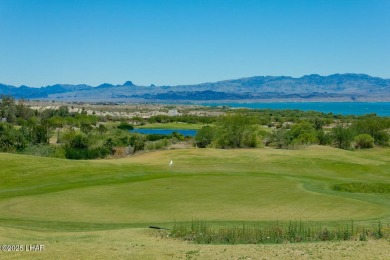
[[337, 87]]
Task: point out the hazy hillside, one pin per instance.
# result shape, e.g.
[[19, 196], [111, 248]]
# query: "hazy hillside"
[[337, 87]]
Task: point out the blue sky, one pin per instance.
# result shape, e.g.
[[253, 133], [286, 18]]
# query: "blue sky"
[[171, 42]]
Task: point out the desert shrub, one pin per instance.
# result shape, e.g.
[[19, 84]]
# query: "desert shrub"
[[125, 126], [40, 150], [382, 138], [204, 136], [342, 136], [178, 136], [280, 138], [137, 142], [156, 145], [324, 138], [250, 138], [86, 128], [155, 137], [364, 141], [302, 133], [12, 140], [78, 148], [374, 126], [235, 131], [101, 129], [120, 152], [86, 153]]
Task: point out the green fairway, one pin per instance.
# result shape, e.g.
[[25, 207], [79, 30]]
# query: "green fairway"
[[207, 184], [43, 196]]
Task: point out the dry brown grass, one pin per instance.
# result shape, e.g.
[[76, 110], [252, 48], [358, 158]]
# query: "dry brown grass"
[[148, 244]]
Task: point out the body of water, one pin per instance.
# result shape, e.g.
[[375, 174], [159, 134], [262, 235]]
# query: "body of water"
[[343, 108], [149, 131]]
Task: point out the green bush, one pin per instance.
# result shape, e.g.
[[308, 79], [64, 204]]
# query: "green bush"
[[235, 131], [342, 136], [156, 145], [155, 137], [11, 140], [280, 138], [364, 141], [125, 126], [324, 138], [137, 142], [40, 150], [382, 138], [204, 136], [78, 148], [86, 153], [303, 133]]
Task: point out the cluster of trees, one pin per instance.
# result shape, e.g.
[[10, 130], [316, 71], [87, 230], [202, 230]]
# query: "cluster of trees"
[[82, 136], [79, 146], [101, 141], [20, 126], [22, 129], [240, 130], [191, 119], [365, 132], [231, 131], [73, 135], [268, 117]]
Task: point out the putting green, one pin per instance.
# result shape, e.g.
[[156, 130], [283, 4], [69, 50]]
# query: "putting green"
[[225, 198]]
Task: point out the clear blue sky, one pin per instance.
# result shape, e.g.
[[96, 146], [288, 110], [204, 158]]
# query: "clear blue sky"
[[189, 41]]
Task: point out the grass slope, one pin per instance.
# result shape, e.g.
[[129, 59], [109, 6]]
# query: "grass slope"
[[46, 195], [207, 184]]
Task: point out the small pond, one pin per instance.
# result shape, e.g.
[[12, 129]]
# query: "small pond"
[[150, 131]]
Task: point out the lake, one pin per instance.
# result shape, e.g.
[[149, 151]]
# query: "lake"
[[149, 131], [343, 108]]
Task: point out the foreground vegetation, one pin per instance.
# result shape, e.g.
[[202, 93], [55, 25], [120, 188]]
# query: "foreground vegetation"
[[137, 243], [260, 233]]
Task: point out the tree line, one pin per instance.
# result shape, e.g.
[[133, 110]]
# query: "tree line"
[[240, 130], [78, 135]]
